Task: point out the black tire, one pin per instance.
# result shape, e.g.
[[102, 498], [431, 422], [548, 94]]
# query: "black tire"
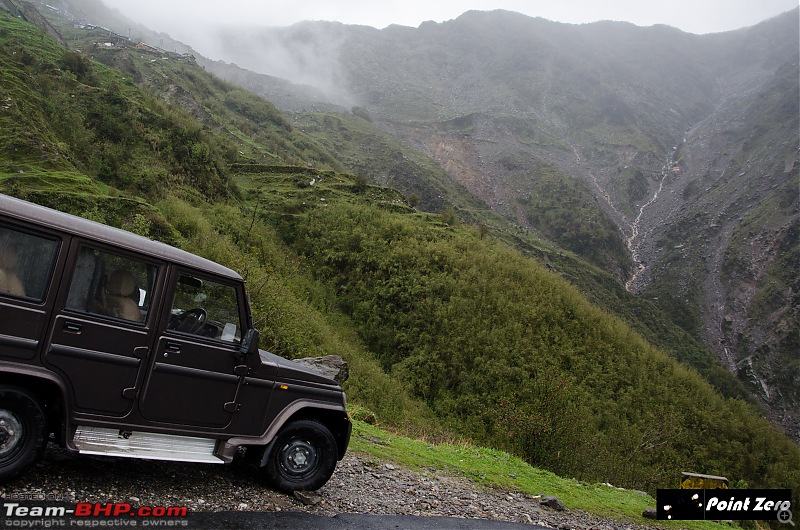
[[22, 431], [301, 458]]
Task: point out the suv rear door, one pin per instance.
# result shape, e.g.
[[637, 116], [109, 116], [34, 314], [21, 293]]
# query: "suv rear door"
[[100, 338], [27, 262]]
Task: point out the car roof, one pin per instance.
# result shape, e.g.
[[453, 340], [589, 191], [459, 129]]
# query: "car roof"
[[35, 213]]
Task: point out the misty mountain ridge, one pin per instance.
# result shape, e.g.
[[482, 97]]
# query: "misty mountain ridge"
[[320, 53]]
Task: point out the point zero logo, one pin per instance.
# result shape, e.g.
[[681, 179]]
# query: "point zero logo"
[[728, 504]]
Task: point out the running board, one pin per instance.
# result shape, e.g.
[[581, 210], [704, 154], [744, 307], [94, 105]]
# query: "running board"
[[153, 446]]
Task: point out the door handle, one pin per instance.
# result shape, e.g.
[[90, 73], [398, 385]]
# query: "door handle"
[[72, 327], [173, 347]]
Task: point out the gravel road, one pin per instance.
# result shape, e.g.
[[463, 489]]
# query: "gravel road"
[[361, 485]]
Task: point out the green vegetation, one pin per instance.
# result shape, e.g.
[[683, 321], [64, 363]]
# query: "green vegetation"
[[90, 119], [563, 210], [449, 329], [509, 355], [365, 150]]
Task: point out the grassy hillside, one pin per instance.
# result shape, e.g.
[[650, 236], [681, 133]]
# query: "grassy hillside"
[[84, 138], [446, 330]]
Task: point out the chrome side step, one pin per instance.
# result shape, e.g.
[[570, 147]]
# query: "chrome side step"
[[153, 446]]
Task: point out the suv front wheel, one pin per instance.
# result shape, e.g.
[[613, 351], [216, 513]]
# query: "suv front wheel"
[[302, 457], [22, 430]]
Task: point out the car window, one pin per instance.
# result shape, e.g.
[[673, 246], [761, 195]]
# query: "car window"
[[206, 308], [108, 284], [26, 263]]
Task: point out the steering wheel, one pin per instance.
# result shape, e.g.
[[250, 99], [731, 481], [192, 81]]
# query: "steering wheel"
[[191, 321]]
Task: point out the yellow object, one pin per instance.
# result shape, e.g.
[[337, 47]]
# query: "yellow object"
[[695, 481]]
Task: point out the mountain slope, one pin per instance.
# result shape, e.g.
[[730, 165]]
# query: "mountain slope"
[[558, 202], [367, 151], [739, 212], [626, 145]]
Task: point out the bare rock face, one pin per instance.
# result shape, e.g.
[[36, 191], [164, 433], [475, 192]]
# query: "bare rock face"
[[332, 366]]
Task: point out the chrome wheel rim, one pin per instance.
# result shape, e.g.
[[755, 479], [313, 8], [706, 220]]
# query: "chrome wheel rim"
[[11, 432]]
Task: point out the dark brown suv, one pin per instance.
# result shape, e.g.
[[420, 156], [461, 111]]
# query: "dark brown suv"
[[119, 345]]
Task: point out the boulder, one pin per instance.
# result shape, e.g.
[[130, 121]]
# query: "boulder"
[[332, 366], [553, 502], [308, 498]]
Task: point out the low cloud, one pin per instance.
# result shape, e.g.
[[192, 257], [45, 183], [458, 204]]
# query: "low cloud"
[[305, 53]]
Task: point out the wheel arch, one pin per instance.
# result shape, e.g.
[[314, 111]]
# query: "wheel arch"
[[48, 390], [333, 417], [336, 421]]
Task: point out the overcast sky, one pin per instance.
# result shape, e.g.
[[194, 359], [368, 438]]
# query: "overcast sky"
[[182, 19]]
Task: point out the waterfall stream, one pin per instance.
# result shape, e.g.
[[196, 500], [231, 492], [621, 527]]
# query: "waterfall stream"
[[634, 241]]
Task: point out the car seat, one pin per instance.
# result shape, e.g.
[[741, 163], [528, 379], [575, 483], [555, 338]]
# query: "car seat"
[[120, 288]]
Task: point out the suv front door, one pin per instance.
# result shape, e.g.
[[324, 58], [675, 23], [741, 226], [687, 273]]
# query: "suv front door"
[[198, 367]]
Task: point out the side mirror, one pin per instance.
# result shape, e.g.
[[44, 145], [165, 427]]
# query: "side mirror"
[[249, 345]]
